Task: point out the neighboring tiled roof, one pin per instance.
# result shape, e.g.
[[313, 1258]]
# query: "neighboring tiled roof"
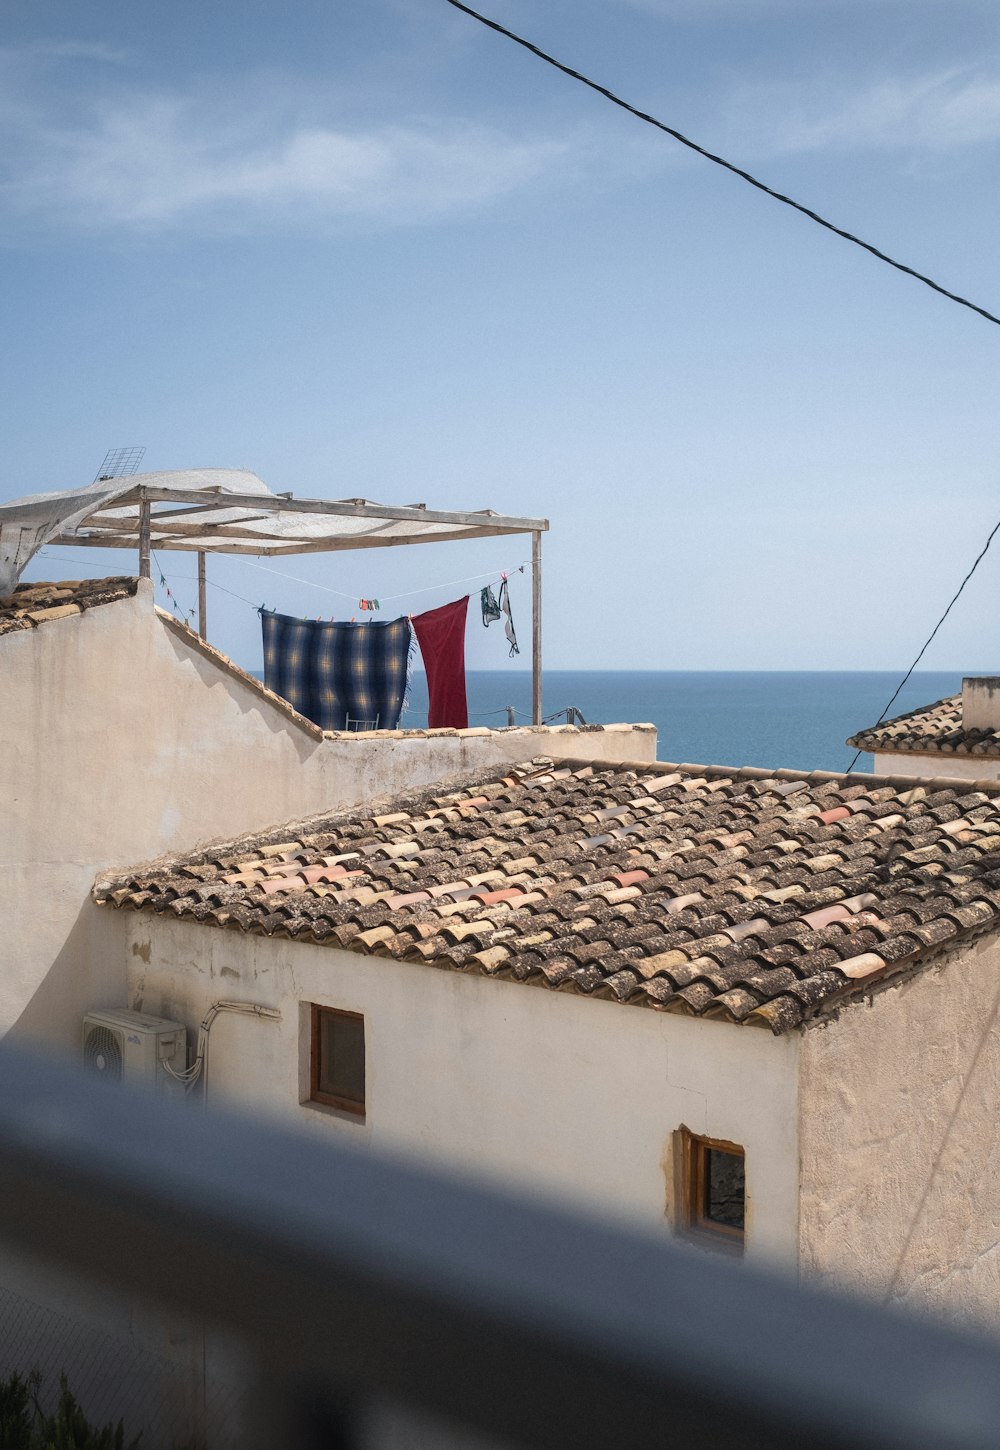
[[747, 894], [933, 729], [33, 604]]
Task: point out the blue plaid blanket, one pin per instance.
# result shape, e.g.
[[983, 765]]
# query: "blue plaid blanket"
[[342, 676]]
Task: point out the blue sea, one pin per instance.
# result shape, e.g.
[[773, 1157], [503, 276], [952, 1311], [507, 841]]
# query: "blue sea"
[[793, 718], [780, 718]]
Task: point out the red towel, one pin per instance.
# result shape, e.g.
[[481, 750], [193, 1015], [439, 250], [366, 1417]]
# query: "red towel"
[[441, 636]]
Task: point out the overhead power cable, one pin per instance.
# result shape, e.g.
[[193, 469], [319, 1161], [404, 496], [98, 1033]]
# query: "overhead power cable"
[[720, 160], [979, 558]]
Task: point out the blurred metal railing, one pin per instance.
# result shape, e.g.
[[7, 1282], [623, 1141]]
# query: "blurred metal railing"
[[355, 1279]]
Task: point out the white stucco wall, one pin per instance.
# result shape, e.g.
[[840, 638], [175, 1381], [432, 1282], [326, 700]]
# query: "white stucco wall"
[[934, 764], [123, 740], [900, 1153], [547, 1090]]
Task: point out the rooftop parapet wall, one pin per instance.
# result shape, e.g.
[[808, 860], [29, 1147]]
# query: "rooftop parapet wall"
[[615, 742]]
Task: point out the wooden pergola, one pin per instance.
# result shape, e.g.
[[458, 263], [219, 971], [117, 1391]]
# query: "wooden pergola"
[[228, 511]]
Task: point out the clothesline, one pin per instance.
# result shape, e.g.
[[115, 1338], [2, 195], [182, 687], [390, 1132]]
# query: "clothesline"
[[493, 579], [492, 576], [191, 578], [391, 598], [366, 677], [175, 603]]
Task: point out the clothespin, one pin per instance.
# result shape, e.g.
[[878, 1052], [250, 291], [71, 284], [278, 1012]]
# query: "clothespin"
[[504, 577]]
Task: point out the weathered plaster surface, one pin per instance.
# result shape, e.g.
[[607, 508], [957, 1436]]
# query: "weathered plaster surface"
[[981, 702], [122, 741], [532, 1087], [900, 1154], [937, 763]]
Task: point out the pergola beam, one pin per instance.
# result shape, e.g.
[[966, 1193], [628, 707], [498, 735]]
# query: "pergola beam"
[[177, 519], [337, 508], [261, 544]]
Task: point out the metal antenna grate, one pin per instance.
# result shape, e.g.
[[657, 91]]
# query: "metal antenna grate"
[[120, 463]]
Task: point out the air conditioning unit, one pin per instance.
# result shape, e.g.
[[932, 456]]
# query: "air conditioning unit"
[[134, 1048]]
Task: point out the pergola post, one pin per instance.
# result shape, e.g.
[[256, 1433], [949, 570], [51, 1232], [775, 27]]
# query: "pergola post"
[[536, 627], [143, 535], [202, 603]]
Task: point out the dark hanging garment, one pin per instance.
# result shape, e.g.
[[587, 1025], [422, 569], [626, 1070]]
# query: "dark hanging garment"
[[488, 604], [341, 676], [441, 637]]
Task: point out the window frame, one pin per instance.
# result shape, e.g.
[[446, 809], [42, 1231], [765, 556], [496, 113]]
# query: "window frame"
[[316, 1094], [693, 1221]]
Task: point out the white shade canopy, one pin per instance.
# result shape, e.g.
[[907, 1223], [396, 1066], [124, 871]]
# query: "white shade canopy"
[[229, 511]]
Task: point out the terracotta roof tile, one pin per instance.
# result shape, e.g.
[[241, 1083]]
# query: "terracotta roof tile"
[[31, 605], [754, 896], [933, 729]]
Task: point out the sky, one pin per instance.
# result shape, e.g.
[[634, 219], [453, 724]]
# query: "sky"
[[374, 249]]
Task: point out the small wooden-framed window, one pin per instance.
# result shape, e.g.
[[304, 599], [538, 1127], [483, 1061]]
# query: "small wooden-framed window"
[[338, 1059], [712, 1197]]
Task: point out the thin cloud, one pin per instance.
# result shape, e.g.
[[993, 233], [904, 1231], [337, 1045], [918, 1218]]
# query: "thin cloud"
[[56, 50], [135, 161], [939, 112], [709, 11]]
